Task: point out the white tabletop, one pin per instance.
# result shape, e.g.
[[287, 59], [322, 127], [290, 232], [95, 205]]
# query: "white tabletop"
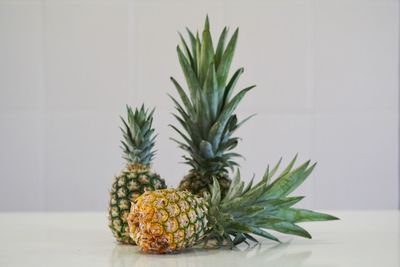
[[82, 239]]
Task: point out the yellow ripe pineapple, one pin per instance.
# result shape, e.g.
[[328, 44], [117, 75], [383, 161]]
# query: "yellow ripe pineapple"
[[138, 177], [170, 220], [167, 220]]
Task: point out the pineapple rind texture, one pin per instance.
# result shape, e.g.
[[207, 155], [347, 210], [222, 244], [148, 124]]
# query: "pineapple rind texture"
[[167, 221], [128, 186], [198, 184]]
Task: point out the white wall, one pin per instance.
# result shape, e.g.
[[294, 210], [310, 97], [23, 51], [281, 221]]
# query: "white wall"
[[327, 76]]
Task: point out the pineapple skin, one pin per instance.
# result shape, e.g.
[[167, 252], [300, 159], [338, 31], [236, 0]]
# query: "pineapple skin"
[[127, 187], [198, 184], [167, 220]]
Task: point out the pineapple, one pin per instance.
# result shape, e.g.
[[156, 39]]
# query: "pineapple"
[[206, 112], [138, 177], [170, 220]]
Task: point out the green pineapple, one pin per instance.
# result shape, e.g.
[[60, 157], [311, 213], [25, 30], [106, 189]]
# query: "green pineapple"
[[206, 112], [170, 220], [137, 146]]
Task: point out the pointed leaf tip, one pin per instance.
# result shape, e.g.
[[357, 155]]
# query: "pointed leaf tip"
[[207, 24], [331, 218]]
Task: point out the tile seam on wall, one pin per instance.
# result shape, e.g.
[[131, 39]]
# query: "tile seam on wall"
[[398, 99]]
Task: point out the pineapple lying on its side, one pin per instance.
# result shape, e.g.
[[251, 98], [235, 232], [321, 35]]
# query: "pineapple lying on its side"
[[206, 112], [169, 220], [137, 178]]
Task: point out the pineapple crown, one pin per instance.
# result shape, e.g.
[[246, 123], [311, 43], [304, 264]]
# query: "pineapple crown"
[[206, 113], [252, 209], [139, 137]]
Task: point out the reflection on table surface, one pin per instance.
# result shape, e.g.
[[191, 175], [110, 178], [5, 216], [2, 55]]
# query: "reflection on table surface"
[[359, 239], [258, 255]]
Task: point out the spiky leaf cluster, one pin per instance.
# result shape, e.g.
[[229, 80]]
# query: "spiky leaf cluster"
[[252, 210], [206, 112], [139, 136]]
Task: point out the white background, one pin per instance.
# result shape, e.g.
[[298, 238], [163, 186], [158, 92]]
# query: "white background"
[[327, 87]]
